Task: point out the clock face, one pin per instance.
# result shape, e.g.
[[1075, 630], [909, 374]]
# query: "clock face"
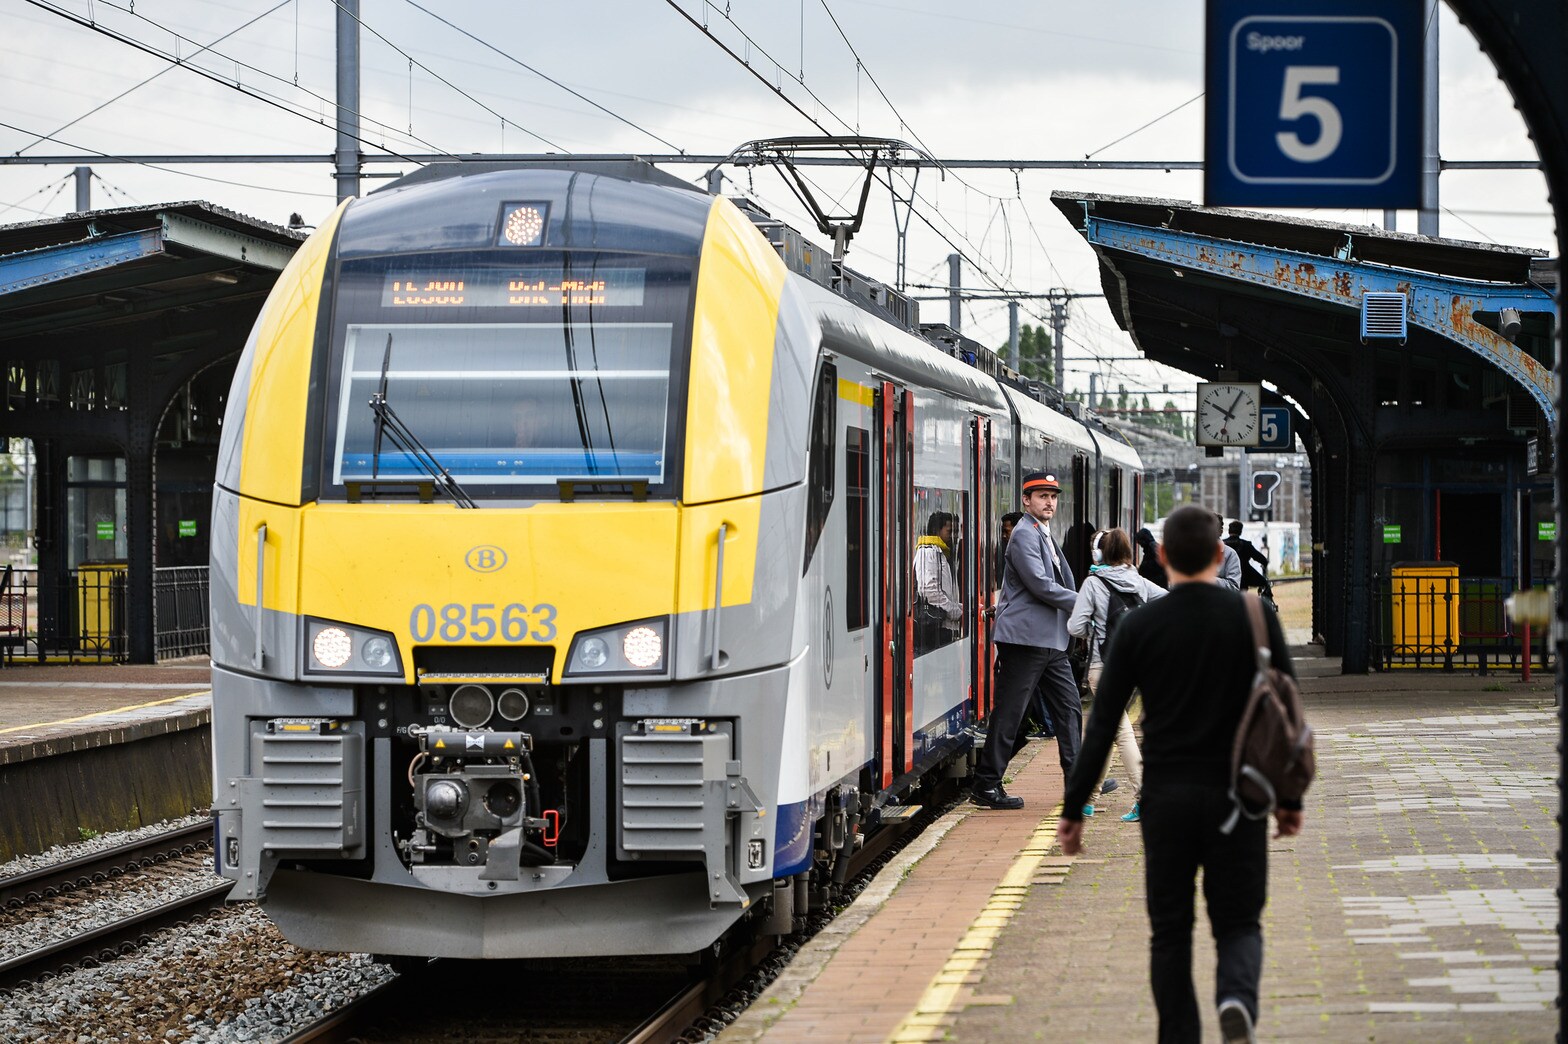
[[1228, 414]]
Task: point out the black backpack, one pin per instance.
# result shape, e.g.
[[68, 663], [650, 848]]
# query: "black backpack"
[[1272, 756], [1121, 603]]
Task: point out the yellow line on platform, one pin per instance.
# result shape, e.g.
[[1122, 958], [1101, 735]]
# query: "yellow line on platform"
[[948, 992], [99, 714]]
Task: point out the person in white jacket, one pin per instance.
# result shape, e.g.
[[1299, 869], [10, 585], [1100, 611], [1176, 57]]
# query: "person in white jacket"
[[1112, 571], [938, 608]]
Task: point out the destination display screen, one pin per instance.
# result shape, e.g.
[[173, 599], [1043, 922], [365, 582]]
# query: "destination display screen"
[[527, 286]]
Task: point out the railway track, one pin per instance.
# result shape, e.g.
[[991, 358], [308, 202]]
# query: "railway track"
[[97, 867], [118, 937], [110, 941], [685, 1000]]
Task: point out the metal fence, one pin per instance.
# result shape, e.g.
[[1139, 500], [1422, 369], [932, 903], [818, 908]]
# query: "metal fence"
[[1430, 617], [181, 611], [81, 616]]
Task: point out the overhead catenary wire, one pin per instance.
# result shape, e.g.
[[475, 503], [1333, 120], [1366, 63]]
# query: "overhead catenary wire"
[[58, 184], [142, 83], [416, 62], [253, 93], [1144, 127], [178, 60], [544, 76], [91, 153]]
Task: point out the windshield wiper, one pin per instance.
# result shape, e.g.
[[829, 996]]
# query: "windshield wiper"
[[381, 394], [388, 423]]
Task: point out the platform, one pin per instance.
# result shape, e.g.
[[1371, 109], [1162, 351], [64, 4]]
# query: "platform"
[[1417, 905], [89, 749]]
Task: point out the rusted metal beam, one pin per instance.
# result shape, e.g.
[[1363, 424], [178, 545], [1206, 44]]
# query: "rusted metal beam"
[[1443, 305]]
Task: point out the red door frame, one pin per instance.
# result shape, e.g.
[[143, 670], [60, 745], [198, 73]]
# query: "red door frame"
[[980, 570], [907, 478], [886, 530]]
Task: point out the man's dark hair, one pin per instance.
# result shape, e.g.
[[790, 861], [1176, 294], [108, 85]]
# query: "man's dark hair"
[[1012, 518], [1235, 529], [936, 522], [1192, 535], [1145, 539]]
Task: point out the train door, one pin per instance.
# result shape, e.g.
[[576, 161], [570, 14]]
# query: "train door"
[[1113, 492], [895, 678], [1080, 519], [982, 569]]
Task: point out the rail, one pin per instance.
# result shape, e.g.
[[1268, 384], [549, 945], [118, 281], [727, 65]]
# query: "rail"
[[1429, 617], [118, 937]]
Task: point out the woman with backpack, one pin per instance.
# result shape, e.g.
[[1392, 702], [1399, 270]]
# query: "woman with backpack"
[[1112, 589]]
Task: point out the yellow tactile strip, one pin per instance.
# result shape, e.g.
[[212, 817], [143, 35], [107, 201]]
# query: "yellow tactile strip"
[[953, 987]]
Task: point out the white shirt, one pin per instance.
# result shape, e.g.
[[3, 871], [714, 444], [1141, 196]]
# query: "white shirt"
[[934, 581]]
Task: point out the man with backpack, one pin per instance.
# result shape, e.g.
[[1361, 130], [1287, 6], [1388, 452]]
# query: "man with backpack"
[[1112, 590], [1193, 657]]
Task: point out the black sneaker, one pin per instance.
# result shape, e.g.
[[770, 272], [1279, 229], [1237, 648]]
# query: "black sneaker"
[[1108, 786], [1235, 1022], [995, 797]]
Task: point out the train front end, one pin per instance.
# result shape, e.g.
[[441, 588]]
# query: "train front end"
[[501, 668]]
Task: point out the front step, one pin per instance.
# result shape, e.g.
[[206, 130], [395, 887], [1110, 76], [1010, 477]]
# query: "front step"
[[898, 813]]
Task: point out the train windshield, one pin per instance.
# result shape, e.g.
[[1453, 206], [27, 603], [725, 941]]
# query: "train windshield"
[[557, 368]]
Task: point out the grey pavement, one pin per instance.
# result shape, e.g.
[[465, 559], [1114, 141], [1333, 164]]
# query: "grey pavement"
[[1418, 904]]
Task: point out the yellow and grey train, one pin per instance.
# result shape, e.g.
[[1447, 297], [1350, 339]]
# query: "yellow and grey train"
[[563, 598]]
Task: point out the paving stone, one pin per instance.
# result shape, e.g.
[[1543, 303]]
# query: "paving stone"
[[1417, 906]]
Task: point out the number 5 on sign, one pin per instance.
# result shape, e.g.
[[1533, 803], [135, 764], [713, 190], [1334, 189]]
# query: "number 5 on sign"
[[1320, 109], [1292, 106], [1274, 429]]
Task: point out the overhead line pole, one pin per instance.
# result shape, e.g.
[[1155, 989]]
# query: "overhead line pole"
[[347, 158]]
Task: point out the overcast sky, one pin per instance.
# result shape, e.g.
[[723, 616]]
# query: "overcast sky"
[[1043, 80]]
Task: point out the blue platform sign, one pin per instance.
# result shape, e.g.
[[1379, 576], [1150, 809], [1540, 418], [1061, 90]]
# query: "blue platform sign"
[[1313, 103], [1274, 434]]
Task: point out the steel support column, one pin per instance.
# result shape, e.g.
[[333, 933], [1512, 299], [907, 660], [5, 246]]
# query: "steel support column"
[[1357, 535], [140, 512]]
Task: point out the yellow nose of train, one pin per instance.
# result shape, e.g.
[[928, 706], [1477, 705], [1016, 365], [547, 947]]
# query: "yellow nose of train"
[[611, 410]]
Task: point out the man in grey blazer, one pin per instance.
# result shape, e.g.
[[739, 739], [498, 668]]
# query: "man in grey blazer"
[[1038, 594]]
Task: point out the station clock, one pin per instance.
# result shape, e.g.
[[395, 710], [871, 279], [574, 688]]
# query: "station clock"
[[1227, 414]]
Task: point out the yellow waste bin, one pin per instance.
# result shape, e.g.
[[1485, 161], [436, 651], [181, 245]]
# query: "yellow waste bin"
[[1425, 607], [97, 584]]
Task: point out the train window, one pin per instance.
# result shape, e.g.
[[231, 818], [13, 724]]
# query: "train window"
[[819, 478], [940, 618], [566, 369], [857, 495]]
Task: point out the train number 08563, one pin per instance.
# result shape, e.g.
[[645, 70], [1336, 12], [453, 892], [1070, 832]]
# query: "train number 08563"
[[482, 622]]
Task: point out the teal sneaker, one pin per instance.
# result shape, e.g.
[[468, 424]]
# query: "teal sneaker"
[[1088, 810], [1132, 817]]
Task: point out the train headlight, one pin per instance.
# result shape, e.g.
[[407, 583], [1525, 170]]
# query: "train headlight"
[[631, 648], [377, 652], [332, 647], [642, 647], [594, 653], [339, 648]]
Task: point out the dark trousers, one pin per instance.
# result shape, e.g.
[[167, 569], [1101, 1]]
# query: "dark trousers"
[[1181, 832], [1022, 667]]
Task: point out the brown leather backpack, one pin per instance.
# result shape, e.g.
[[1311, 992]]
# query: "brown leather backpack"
[[1272, 758]]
